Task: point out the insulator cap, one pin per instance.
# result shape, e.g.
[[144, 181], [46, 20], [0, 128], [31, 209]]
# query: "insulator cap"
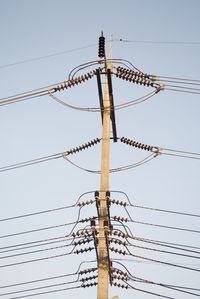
[[92, 222], [87, 271], [137, 144], [101, 53], [89, 285], [83, 146], [119, 285]]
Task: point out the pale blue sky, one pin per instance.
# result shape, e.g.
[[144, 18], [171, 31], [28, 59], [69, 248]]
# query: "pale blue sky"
[[32, 29]]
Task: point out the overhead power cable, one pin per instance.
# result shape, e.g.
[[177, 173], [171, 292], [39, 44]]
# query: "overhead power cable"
[[171, 287], [35, 251], [32, 162], [183, 289], [148, 292], [118, 169], [52, 277], [161, 151], [150, 80], [166, 226], [164, 251], [46, 292], [181, 247], [33, 244], [97, 109], [37, 230], [49, 286], [46, 56], [131, 74], [37, 213], [46, 90], [36, 260], [164, 210], [176, 246], [50, 157], [38, 280], [163, 262], [157, 42]]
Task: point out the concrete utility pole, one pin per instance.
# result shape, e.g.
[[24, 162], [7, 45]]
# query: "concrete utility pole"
[[103, 267]]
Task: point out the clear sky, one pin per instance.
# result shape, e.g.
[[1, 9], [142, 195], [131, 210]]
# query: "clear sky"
[[41, 42]]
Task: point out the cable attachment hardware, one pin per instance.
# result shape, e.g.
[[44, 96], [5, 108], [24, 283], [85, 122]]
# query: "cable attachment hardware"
[[117, 202], [101, 53], [83, 146], [108, 199], [118, 277], [136, 144], [135, 77], [118, 218], [95, 238], [120, 272], [81, 242], [140, 145], [75, 81], [121, 70], [89, 285], [116, 250], [97, 199], [81, 232], [87, 271], [117, 241], [119, 234], [119, 285], [88, 278], [85, 203], [82, 250], [87, 219]]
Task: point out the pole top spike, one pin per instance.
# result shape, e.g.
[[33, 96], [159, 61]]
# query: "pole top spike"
[[101, 32]]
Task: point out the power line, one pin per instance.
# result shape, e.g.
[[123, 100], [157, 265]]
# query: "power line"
[[138, 279], [37, 213], [51, 277], [158, 42], [46, 90], [37, 230], [174, 79], [164, 210], [50, 157], [94, 45], [49, 90], [160, 150], [32, 162], [39, 288], [172, 287], [36, 260], [46, 56], [47, 292], [178, 246], [39, 243], [162, 262], [166, 226], [148, 292], [97, 109], [118, 169], [36, 251], [164, 251], [38, 280]]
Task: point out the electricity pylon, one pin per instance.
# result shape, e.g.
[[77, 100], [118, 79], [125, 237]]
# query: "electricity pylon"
[[103, 254]]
